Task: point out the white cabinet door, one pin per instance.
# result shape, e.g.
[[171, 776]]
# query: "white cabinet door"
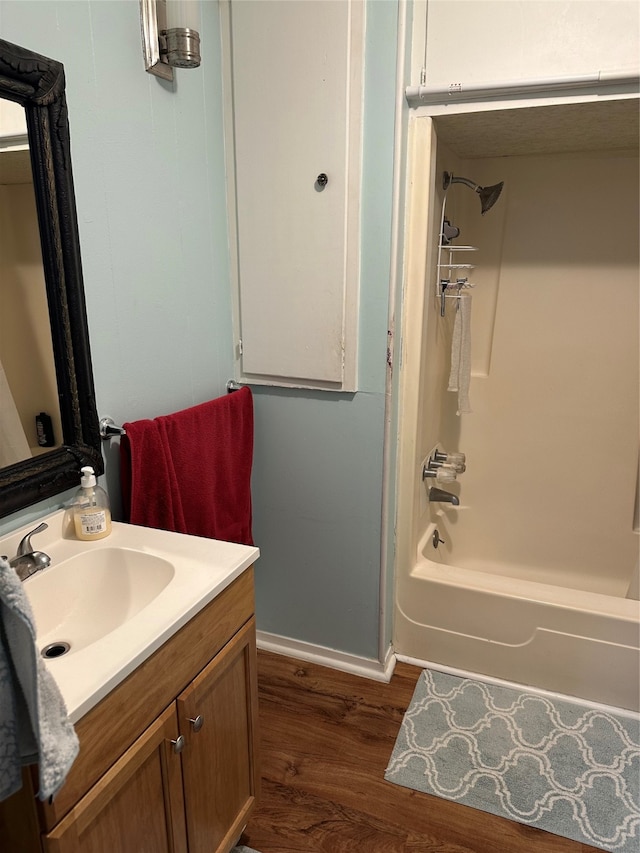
[[296, 75], [492, 40]]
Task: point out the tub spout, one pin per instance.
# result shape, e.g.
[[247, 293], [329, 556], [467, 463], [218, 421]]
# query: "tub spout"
[[440, 496]]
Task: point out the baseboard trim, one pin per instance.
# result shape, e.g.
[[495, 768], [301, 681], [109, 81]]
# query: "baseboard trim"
[[364, 667], [489, 679]]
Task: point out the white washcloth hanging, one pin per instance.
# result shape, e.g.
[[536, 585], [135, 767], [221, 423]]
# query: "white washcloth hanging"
[[460, 374], [33, 718]]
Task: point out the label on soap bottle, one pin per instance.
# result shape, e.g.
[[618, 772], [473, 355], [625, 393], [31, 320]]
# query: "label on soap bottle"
[[91, 523]]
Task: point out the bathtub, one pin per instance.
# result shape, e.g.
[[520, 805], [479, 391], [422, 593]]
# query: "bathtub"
[[499, 624]]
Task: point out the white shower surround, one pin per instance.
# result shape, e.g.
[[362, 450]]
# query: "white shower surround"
[[571, 634]]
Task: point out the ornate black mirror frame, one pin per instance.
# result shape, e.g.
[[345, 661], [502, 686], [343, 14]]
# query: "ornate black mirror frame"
[[38, 84]]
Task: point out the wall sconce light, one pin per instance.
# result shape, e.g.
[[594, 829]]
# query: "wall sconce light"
[[169, 35]]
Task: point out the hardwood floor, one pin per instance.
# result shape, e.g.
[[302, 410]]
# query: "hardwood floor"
[[326, 740]]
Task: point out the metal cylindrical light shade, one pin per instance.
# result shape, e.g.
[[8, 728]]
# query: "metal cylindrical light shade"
[[182, 36], [183, 48]]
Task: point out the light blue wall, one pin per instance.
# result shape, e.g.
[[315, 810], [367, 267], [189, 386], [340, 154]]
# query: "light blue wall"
[[148, 161], [149, 174], [318, 484]]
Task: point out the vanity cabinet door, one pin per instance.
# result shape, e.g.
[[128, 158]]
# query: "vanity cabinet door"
[[136, 806], [217, 715]]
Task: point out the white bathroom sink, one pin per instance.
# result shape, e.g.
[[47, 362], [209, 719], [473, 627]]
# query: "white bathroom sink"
[[117, 600], [88, 596]]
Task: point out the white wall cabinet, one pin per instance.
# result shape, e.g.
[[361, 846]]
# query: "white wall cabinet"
[[476, 42], [294, 93], [13, 127]]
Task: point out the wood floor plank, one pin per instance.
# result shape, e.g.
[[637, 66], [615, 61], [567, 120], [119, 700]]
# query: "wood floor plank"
[[298, 822], [327, 737]]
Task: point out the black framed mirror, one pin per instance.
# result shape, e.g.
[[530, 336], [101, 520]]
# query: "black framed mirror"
[[37, 83]]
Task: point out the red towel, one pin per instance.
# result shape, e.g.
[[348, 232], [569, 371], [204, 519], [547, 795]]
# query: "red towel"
[[191, 471]]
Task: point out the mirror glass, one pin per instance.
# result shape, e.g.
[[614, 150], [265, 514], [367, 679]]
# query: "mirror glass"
[[48, 419], [29, 412]]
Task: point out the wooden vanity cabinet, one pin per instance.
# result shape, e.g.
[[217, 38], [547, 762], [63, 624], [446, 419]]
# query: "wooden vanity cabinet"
[[137, 805], [174, 748]]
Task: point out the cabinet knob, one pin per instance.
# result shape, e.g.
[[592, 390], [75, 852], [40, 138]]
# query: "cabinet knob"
[[197, 722], [322, 180], [178, 743]]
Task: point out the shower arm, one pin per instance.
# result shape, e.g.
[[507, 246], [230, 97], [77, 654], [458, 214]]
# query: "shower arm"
[[449, 179]]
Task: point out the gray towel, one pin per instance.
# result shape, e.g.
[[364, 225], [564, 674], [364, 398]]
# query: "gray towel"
[[34, 726]]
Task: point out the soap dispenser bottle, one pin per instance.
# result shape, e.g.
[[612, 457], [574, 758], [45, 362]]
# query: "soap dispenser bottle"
[[91, 512]]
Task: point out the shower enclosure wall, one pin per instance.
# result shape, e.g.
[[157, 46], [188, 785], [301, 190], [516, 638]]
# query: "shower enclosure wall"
[[536, 579]]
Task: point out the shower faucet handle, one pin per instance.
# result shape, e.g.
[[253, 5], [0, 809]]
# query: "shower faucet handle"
[[456, 459], [440, 473]]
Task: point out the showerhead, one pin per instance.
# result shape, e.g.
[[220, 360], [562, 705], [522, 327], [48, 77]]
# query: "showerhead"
[[488, 195]]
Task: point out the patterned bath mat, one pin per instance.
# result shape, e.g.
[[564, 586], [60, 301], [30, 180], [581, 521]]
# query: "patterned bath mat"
[[558, 766]]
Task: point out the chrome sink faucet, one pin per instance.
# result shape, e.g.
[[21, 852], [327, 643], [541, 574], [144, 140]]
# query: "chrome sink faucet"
[[27, 561]]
